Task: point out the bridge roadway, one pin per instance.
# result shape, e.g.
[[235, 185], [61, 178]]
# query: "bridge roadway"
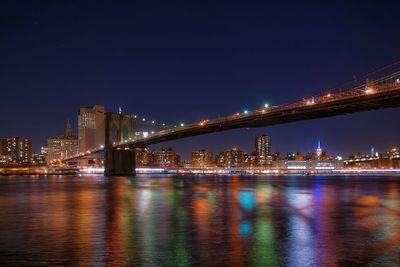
[[384, 93], [352, 101]]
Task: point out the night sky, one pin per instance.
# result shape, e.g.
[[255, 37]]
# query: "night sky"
[[186, 61]]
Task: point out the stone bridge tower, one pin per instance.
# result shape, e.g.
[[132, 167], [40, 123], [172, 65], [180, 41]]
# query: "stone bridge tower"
[[118, 161]]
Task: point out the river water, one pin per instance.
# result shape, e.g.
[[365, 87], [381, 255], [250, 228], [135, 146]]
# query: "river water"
[[182, 220]]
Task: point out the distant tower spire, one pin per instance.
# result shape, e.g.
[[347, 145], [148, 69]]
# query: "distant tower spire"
[[68, 129], [319, 149], [120, 110]]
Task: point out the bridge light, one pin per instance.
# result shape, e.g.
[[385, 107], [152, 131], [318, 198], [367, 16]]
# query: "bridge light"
[[101, 146], [153, 122], [368, 90], [397, 80], [143, 119], [245, 111], [328, 95], [163, 124], [263, 111], [182, 124], [266, 105], [152, 132]]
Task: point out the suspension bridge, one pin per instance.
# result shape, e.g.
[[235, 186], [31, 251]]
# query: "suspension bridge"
[[376, 92]]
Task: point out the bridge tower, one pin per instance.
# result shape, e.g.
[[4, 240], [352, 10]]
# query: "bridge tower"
[[118, 161]]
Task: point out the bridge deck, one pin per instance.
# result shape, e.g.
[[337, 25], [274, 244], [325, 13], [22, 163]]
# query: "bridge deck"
[[383, 93], [320, 107]]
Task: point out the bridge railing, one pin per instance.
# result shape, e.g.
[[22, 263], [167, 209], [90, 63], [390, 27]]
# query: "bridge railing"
[[382, 84]]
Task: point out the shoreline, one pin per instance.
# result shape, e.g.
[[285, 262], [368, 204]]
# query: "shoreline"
[[208, 171]]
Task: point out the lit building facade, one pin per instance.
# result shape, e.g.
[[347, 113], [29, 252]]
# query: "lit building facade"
[[167, 158], [390, 159], [220, 159], [202, 159], [16, 150], [62, 147], [91, 128], [309, 164], [232, 158], [262, 146], [319, 150], [251, 160], [144, 157]]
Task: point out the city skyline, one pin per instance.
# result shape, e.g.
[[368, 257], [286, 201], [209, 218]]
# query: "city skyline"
[[186, 153], [67, 145], [199, 133], [240, 69]]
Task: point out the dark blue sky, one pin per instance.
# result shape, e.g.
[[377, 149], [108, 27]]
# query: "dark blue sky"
[[185, 61]]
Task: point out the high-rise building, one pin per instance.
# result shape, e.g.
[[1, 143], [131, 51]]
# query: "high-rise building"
[[251, 160], [234, 158], [202, 159], [17, 149], [220, 159], [91, 127], [63, 146], [320, 153], [144, 157], [262, 146], [167, 158], [319, 149]]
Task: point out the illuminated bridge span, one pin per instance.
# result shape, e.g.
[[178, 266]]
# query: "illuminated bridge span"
[[375, 94]]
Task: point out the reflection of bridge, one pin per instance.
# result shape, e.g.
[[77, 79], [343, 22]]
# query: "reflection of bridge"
[[383, 92]]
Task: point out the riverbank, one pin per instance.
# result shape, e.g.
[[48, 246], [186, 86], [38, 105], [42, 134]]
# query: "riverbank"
[[204, 171]]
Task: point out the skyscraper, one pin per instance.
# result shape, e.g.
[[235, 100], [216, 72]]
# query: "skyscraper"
[[262, 146], [91, 127], [144, 157], [62, 147], [319, 149], [202, 159], [233, 157], [17, 149], [167, 158]]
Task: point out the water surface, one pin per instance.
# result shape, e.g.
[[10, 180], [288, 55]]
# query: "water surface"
[[162, 220]]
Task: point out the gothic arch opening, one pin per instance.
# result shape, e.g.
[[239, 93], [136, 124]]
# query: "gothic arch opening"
[[125, 132], [114, 134]]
